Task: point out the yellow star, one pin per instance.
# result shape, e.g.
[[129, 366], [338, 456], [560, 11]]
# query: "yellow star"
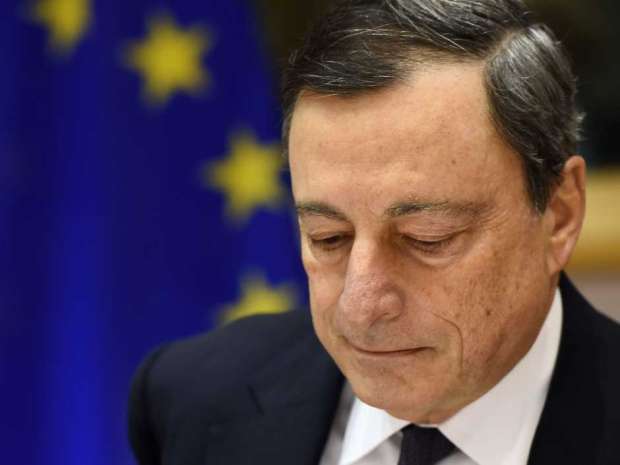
[[257, 297], [249, 176], [66, 20], [169, 59]]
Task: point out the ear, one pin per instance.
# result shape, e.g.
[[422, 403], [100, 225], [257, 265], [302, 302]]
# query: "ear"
[[565, 213]]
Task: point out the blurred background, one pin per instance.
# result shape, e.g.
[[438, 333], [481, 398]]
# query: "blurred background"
[[143, 197]]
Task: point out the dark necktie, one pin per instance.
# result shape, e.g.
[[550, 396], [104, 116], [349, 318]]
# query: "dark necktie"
[[423, 446]]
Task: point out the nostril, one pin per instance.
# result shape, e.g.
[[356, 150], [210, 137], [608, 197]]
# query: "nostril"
[[390, 304], [367, 302]]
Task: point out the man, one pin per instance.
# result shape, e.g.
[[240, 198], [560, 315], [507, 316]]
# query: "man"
[[432, 149]]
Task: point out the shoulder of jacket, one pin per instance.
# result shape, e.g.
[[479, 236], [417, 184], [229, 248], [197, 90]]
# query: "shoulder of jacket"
[[239, 344], [230, 354]]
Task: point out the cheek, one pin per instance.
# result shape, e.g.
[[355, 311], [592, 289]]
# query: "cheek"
[[471, 311], [324, 289], [324, 282], [495, 304]]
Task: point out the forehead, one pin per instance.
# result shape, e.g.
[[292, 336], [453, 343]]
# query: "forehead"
[[429, 137]]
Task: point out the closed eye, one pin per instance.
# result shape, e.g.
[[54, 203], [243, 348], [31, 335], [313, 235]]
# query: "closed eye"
[[329, 242], [429, 247]]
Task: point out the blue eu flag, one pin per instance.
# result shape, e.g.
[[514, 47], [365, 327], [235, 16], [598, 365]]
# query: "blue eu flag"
[[142, 198]]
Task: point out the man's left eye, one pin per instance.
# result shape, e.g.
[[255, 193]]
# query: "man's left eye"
[[429, 246]]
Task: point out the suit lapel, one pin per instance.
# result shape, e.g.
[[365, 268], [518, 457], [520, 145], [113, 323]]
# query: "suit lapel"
[[570, 428], [296, 397]]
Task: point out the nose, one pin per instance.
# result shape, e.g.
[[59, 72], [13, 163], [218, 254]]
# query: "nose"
[[371, 293]]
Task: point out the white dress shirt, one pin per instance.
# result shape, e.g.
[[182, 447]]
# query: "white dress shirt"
[[496, 429]]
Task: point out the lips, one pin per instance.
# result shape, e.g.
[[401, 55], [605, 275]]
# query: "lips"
[[387, 352]]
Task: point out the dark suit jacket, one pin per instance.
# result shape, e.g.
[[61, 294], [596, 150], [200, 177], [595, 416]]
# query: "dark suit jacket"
[[263, 391]]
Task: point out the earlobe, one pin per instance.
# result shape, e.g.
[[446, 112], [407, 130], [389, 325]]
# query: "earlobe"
[[566, 211]]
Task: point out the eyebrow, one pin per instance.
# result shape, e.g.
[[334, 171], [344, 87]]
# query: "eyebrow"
[[319, 209], [448, 208], [399, 209]]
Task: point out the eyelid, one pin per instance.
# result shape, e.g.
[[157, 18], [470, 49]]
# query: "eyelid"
[[427, 238], [328, 242], [430, 246], [430, 239]]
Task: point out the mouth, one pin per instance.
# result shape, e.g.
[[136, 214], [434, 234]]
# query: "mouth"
[[387, 353]]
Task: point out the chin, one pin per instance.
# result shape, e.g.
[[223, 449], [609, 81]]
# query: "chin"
[[405, 409], [399, 401], [415, 403]]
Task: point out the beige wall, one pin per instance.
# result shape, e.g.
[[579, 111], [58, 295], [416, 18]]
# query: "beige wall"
[[602, 289], [595, 266]]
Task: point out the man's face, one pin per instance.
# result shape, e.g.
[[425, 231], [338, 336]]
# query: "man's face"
[[426, 263]]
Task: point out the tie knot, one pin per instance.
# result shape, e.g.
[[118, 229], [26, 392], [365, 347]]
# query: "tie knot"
[[423, 446]]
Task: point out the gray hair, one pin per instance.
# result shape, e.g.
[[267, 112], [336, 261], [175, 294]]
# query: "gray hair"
[[363, 45]]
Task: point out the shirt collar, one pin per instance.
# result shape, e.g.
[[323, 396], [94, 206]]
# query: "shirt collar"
[[367, 428], [497, 427]]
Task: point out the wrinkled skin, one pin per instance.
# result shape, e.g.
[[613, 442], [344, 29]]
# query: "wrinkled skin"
[[430, 272]]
